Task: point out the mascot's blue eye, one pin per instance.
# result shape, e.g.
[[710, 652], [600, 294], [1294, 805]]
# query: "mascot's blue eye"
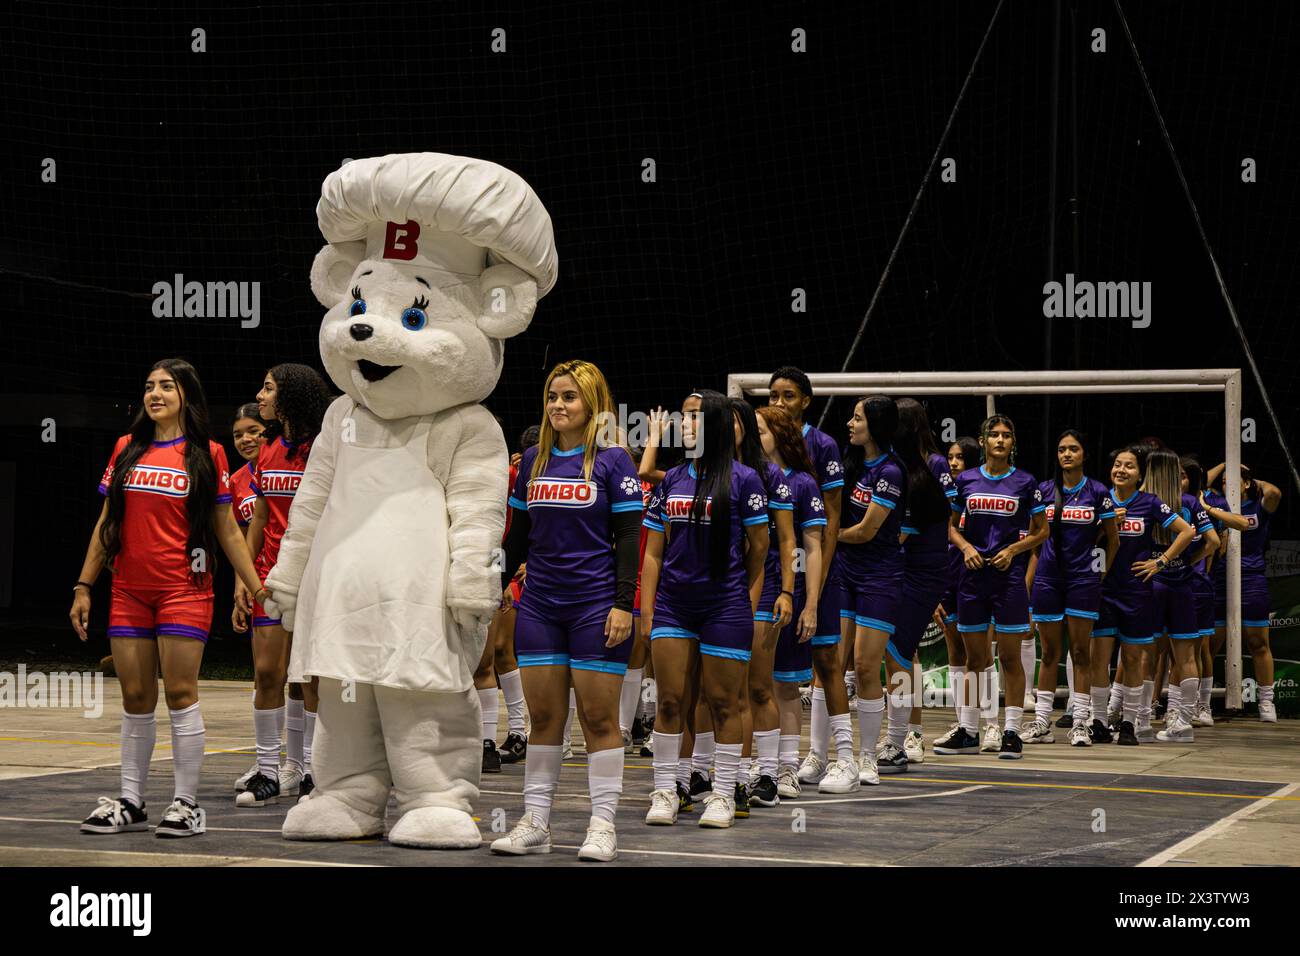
[[413, 319], [358, 307]]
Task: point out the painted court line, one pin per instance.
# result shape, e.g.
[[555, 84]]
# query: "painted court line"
[[213, 856], [1218, 826], [1279, 795], [909, 796], [731, 856], [78, 823]]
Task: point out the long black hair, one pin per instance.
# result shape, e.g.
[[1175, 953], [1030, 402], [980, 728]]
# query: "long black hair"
[[713, 473], [750, 450], [301, 399], [201, 496], [881, 413], [1195, 476], [913, 445], [1058, 479], [970, 451]]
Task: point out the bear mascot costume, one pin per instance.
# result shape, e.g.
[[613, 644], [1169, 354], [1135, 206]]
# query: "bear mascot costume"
[[388, 572]]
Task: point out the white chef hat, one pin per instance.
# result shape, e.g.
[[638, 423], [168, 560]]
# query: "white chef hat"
[[448, 213]]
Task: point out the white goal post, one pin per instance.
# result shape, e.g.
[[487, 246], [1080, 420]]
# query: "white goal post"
[[1061, 382]]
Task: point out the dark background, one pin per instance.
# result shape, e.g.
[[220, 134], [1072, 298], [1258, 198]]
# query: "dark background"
[[776, 170]]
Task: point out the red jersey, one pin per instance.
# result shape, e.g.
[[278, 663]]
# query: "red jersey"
[[155, 528], [647, 490], [276, 477], [514, 475], [243, 497]]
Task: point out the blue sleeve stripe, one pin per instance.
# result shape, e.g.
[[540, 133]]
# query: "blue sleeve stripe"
[[1037, 510], [830, 485], [1174, 516], [813, 521], [756, 519], [656, 526], [1202, 528], [516, 503], [906, 530], [885, 503], [625, 506], [781, 505], [951, 493], [1107, 514]]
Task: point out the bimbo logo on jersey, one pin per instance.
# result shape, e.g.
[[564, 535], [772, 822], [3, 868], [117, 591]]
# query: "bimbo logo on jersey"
[[1132, 527], [985, 503], [283, 483], [1252, 522], [862, 496], [160, 481], [1072, 514], [246, 507], [561, 492], [678, 508]]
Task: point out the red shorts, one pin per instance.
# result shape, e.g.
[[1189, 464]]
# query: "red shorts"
[[261, 618], [160, 612], [516, 592]]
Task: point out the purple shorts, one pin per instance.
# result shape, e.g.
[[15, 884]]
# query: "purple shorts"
[[1254, 600], [1128, 615], [767, 599], [571, 635], [1203, 595], [793, 662], [915, 612], [873, 601], [1054, 599], [1175, 610], [724, 629], [989, 595]]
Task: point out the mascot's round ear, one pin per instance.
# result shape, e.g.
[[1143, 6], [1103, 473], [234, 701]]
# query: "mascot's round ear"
[[509, 297], [332, 269]]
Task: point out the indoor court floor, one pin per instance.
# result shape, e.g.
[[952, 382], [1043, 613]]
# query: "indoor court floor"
[[1230, 798]]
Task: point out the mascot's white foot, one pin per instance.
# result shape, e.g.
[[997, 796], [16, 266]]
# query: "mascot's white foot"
[[436, 828], [326, 817]]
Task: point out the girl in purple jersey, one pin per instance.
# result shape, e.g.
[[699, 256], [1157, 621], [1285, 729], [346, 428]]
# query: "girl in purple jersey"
[[871, 559], [794, 658], [1066, 575], [1128, 604], [1259, 501], [700, 584], [577, 504], [999, 502], [1192, 481]]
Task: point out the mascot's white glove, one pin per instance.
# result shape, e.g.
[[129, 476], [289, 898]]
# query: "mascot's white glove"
[[282, 604]]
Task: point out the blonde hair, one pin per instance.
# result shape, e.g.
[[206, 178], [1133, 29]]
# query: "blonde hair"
[[1164, 480], [595, 394]]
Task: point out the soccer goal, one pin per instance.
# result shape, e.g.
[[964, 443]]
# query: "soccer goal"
[[1060, 382]]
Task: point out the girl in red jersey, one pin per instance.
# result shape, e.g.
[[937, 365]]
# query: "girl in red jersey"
[[165, 513], [248, 434], [501, 633], [293, 398]]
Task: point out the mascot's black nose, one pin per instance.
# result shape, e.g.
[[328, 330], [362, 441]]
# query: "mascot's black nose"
[[360, 331]]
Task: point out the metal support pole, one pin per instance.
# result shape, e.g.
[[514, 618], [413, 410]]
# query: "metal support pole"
[[1232, 490]]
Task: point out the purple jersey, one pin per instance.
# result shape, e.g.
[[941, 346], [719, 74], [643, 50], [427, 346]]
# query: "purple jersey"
[[809, 512], [570, 546], [686, 554], [1179, 571], [825, 455], [882, 482], [1254, 540], [997, 510], [1083, 508], [1143, 511], [928, 548], [780, 497]]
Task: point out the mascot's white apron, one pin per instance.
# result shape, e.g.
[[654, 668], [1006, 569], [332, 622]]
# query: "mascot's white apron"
[[371, 606]]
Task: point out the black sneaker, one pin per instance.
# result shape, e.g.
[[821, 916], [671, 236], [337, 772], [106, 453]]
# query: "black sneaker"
[[1158, 710], [261, 791], [763, 792], [115, 816], [1127, 735], [1011, 746], [491, 759], [515, 748], [960, 742], [891, 760], [1113, 721], [306, 787], [742, 801], [684, 804], [700, 785], [1100, 733], [638, 732], [1065, 721], [182, 819]]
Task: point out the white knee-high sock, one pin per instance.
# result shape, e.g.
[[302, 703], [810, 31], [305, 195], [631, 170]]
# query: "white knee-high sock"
[[541, 774], [1100, 702], [489, 705], [1027, 660], [989, 694], [727, 759], [512, 688], [293, 728], [1069, 678], [139, 733], [666, 760], [957, 676], [900, 711], [1174, 699], [1079, 704], [605, 781], [871, 714], [819, 733], [1191, 687], [788, 752], [1207, 690], [767, 744], [841, 728], [1132, 703], [1043, 700], [1116, 696], [187, 751], [628, 696], [1015, 716], [1144, 708], [702, 756], [308, 735], [266, 725]]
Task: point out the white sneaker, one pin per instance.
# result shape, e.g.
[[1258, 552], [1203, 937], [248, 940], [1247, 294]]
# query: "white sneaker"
[[1037, 731], [1031, 701], [1145, 734], [1203, 718], [1079, 736], [1268, 712], [868, 772], [1176, 731], [242, 783], [601, 844], [946, 736], [290, 780], [663, 809], [805, 696], [813, 768], [567, 753], [841, 777], [914, 747], [627, 746], [991, 743], [719, 811], [527, 837], [787, 783]]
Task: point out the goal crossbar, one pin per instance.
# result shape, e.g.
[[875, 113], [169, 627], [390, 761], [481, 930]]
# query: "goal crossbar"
[[1049, 382]]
